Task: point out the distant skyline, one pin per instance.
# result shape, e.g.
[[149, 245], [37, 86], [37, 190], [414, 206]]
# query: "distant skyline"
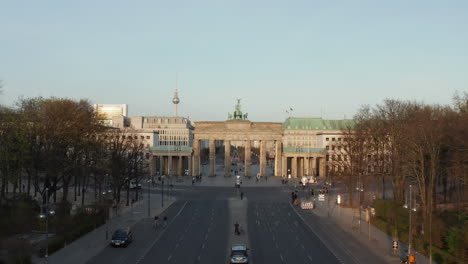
[[321, 58]]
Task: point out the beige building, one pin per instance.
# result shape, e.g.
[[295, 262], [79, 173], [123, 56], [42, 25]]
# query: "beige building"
[[297, 147], [107, 112]]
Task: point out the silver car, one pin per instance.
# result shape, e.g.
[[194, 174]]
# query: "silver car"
[[239, 254]]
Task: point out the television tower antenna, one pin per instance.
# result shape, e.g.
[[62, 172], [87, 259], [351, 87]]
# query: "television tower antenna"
[[175, 99]]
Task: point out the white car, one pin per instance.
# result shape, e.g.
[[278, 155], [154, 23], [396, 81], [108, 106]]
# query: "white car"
[[239, 254]]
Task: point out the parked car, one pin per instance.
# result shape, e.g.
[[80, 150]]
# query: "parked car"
[[135, 185], [239, 254], [122, 237]]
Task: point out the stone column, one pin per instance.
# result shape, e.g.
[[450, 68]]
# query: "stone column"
[[293, 167], [301, 167], [248, 158], [322, 172], [278, 159], [179, 166], [212, 157], [189, 167], [227, 158], [313, 169], [284, 166], [169, 165], [307, 167], [196, 157], [161, 163], [263, 158], [152, 165]]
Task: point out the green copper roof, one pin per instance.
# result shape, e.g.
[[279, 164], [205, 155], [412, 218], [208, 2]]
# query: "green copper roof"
[[171, 148], [300, 123], [304, 150]]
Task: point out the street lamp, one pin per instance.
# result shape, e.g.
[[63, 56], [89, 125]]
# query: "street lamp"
[[411, 207], [360, 189], [45, 215], [107, 205], [162, 191]]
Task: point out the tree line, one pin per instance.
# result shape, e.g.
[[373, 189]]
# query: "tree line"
[[60, 144], [398, 143]]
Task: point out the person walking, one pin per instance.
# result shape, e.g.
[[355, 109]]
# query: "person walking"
[[156, 221], [242, 195], [165, 221], [236, 228]]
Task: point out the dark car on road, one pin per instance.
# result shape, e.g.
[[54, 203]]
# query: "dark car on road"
[[122, 237], [239, 254]]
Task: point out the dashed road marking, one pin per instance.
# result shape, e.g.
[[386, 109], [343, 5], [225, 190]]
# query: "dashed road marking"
[[147, 250], [169, 258], [281, 256]]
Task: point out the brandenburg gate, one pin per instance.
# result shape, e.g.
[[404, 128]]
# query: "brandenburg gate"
[[237, 129]]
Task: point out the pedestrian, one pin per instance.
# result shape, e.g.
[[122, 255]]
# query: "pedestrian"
[[411, 258], [156, 221], [242, 195], [165, 221], [236, 228], [292, 197], [312, 192]]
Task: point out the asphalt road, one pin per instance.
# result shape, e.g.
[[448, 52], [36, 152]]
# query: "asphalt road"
[[198, 231]]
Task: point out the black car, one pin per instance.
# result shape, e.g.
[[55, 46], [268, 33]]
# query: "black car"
[[122, 237]]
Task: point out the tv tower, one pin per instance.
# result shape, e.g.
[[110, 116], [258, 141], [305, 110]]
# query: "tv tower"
[[175, 99]]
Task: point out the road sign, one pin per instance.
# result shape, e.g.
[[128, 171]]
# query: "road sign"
[[395, 245], [321, 197], [307, 205]]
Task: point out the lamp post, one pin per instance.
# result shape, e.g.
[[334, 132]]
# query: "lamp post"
[[329, 184], [360, 189], [162, 191], [410, 207], [149, 193], [107, 205], [46, 216]]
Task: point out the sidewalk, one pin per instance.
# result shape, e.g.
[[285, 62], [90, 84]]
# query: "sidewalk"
[[89, 245], [380, 243]]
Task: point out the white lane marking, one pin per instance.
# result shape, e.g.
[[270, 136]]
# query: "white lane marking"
[[309, 257], [147, 250], [321, 239], [198, 258], [281, 256], [169, 258], [206, 237], [303, 247], [203, 246], [176, 246], [276, 244]]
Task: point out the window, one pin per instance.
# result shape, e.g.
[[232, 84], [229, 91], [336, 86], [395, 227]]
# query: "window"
[[339, 139], [333, 157], [327, 139], [333, 139], [333, 147], [339, 147], [327, 147], [142, 137], [136, 137], [147, 137], [327, 158], [345, 157]]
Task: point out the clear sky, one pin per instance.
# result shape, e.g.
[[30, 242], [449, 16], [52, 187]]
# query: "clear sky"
[[319, 57]]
